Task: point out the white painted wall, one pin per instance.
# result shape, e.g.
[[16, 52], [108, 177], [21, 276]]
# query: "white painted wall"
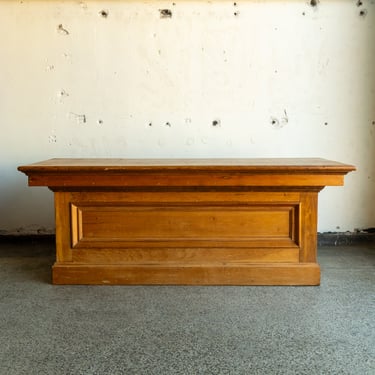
[[133, 84]]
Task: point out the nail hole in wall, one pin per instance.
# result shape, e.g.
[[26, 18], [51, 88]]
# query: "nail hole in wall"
[[104, 13], [363, 13], [274, 122], [216, 123]]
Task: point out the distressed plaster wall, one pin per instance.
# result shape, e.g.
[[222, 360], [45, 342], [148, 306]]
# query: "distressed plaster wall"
[[187, 79]]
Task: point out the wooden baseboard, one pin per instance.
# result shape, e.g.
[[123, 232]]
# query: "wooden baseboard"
[[184, 274]]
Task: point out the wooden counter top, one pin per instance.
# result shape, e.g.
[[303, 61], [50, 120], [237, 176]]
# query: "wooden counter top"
[[186, 172]]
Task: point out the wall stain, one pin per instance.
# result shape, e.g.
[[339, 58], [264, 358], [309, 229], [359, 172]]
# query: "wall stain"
[[165, 13], [63, 94], [83, 5], [52, 139], [286, 118], [278, 124], [80, 119], [62, 30], [168, 124], [363, 13]]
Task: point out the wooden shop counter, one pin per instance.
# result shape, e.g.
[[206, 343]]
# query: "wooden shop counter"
[[186, 221]]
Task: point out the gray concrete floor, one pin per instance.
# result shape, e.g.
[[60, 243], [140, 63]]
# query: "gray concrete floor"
[[47, 329]]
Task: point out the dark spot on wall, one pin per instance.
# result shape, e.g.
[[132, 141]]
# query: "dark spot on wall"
[[150, 124], [274, 121], [104, 13], [314, 3], [373, 123], [303, 13], [100, 122], [278, 124], [165, 13], [363, 13], [216, 123], [326, 123], [235, 4], [236, 13], [168, 124], [62, 30], [359, 3], [63, 94]]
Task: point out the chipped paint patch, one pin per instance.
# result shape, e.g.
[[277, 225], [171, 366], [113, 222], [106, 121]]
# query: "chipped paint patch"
[[80, 119], [165, 13]]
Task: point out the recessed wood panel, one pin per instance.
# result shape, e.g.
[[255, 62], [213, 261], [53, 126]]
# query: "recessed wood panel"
[[180, 225]]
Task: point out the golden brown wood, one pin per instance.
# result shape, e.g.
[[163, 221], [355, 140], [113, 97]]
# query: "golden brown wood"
[[189, 274], [193, 221]]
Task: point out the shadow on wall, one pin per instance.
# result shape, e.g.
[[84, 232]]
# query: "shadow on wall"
[[18, 200]]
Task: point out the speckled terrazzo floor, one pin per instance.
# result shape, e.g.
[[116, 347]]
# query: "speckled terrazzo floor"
[[47, 329]]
